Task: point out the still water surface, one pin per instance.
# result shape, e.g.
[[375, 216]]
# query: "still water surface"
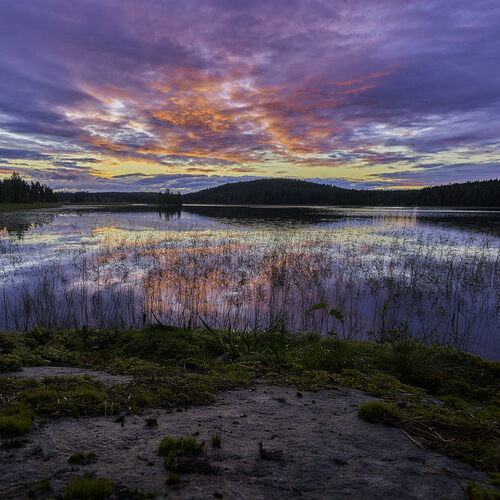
[[433, 272]]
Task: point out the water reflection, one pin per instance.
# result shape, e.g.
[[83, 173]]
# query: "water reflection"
[[18, 223], [250, 266]]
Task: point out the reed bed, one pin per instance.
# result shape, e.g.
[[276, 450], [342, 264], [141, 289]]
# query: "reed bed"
[[443, 288]]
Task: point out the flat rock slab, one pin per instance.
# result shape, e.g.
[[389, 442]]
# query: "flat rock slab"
[[40, 372], [316, 447]]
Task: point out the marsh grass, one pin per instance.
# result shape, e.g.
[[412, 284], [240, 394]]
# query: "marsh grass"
[[443, 286]]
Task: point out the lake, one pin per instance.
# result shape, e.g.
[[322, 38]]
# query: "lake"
[[384, 271]]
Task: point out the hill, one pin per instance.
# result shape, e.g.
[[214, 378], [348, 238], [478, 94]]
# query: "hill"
[[299, 192]]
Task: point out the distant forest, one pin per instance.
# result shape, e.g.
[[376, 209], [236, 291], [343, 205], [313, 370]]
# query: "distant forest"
[[297, 192], [13, 189], [163, 198], [267, 192]]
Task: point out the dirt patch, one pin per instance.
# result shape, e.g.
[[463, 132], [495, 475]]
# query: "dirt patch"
[[315, 447], [40, 372]]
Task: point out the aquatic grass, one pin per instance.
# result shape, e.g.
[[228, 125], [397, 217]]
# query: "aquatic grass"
[[376, 275]]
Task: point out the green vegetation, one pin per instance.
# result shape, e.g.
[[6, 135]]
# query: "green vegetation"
[[162, 198], [15, 421], [488, 491], [377, 412], [299, 192], [168, 198], [85, 488], [15, 190], [179, 453], [216, 441], [175, 368]]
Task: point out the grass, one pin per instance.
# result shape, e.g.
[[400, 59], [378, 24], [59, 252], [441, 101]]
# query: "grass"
[[179, 453], [85, 488], [216, 441], [15, 421]]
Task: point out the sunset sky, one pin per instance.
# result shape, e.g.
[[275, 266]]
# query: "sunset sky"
[[125, 95]]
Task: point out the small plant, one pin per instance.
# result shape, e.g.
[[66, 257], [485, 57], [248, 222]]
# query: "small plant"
[[378, 412], [151, 422], [216, 441], [85, 488], [15, 422], [82, 458], [180, 452]]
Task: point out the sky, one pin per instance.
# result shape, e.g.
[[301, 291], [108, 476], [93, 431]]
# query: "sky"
[[122, 95]]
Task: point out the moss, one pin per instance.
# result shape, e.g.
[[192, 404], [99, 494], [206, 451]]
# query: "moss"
[[178, 368], [472, 434], [378, 412], [15, 421], [66, 396], [84, 488], [481, 492], [179, 453]]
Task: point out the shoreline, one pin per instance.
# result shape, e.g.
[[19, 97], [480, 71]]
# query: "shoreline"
[[431, 398]]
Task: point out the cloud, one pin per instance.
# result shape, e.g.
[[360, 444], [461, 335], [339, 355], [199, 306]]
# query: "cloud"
[[237, 87]]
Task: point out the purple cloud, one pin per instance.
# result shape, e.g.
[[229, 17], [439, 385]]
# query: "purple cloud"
[[229, 87]]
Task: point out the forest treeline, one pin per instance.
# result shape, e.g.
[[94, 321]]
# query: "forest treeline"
[[14, 189], [298, 192], [165, 197]]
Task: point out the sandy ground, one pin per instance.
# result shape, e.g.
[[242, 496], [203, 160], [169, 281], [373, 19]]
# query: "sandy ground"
[[317, 448]]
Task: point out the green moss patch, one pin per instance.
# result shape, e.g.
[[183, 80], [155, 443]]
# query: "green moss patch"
[[85, 488], [180, 453]]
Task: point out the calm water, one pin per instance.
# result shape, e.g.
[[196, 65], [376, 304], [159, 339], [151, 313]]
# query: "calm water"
[[434, 272]]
